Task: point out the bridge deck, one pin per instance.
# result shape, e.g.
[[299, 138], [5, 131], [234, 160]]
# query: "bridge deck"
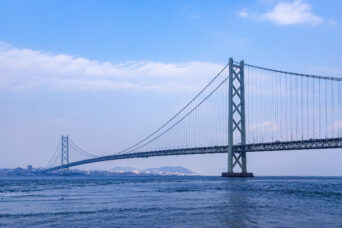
[[257, 147]]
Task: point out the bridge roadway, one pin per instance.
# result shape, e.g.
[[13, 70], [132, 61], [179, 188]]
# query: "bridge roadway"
[[256, 147]]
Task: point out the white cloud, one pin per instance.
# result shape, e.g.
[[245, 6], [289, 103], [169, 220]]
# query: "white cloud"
[[297, 12], [287, 13], [243, 13], [30, 69]]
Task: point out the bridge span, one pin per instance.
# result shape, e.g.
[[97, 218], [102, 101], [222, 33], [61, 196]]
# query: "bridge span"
[[310, 144]]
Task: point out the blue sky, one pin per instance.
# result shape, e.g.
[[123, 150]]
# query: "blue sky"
[[108, 73]]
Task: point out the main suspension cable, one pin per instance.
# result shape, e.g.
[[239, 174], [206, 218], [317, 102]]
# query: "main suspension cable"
[[177, 114]]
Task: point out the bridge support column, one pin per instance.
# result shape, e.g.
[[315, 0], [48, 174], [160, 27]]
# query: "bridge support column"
[[236, 121], [65, 151]]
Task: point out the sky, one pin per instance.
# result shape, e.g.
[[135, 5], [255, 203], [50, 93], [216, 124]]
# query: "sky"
[[108, 73]]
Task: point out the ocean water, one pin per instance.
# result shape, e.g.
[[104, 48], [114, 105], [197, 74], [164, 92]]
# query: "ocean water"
[[170, 202]]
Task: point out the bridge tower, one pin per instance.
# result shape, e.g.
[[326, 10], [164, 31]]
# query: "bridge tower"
[[236, 121], [65, 151]]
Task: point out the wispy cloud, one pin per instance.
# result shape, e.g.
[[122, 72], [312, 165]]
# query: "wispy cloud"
[[269, 125], [287, 13], [29, 69], [243, 13]]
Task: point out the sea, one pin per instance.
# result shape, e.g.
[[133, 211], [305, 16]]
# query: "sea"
[[170, 201]]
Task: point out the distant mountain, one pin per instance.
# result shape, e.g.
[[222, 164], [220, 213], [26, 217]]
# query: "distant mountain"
[[171, 169], [165, 170]]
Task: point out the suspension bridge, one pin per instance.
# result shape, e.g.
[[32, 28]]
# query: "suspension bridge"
[[244, 108]]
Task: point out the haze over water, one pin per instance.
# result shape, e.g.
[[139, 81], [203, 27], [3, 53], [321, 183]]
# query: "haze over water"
[[165, 201]]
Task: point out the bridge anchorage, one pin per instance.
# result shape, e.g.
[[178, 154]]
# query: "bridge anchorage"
[[236, 121]]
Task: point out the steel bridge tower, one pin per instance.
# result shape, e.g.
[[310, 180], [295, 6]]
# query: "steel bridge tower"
[[236, 121], [65, 151]]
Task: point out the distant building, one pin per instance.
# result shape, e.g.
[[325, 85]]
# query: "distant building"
[[29, 167]]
